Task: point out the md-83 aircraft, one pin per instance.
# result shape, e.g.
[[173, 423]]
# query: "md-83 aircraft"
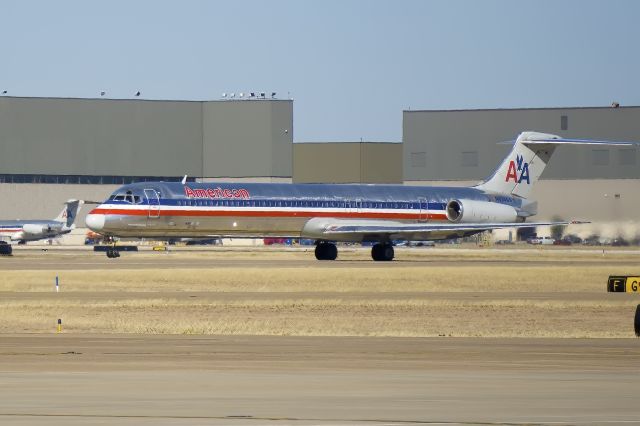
[[31, 230], [335, 213]]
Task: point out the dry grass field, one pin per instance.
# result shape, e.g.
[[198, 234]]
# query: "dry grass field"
[[490, 293]]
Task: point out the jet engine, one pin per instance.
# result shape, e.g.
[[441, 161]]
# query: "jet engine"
[[37, 229], [472, 211]]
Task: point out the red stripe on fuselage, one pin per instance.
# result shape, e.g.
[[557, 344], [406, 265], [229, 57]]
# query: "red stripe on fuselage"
[[263, 213]]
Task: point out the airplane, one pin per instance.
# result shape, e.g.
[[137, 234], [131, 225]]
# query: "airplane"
[[330, 213], [22, 231]]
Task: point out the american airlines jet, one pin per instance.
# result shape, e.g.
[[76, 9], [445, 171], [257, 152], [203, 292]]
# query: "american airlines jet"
[[335, 213], [36, 229]]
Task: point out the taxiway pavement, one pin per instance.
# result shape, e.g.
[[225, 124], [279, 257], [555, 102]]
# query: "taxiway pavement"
[[188, 380]]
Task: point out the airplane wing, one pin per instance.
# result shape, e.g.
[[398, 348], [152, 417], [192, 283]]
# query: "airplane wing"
[[380, 230]]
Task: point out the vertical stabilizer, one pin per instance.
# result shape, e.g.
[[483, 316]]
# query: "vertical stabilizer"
[[522, 168], [68, 215]]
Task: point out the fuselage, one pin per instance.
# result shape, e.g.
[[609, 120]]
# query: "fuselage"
[[15, 229], [164, 210]]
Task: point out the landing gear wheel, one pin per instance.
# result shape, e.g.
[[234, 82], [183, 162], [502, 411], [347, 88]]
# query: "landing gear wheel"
[[382, 252], [326, 251]]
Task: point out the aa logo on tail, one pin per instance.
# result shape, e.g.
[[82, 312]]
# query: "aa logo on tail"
[[518, 173]]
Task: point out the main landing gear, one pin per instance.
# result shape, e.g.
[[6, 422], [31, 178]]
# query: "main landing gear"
[[326, 251], [382, 252], [379, 252]]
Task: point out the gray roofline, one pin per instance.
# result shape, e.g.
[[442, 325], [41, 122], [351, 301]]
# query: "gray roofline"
[[522, 109], [135, 99], [347, 142]]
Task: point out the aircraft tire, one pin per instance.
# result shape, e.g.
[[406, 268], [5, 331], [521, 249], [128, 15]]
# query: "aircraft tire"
[[382, 252], [332, 251], [113, 253], [326, 251]]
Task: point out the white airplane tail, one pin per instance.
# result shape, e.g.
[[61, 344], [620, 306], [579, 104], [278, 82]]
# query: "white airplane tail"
[[69, 213], [530, 154]]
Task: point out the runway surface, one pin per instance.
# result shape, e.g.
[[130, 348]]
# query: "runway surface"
[[183, 380]]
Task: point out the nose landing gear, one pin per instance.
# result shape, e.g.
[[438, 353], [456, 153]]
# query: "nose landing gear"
[[113, 253]]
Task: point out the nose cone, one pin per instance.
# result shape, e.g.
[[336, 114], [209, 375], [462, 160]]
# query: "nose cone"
[[95, 222]]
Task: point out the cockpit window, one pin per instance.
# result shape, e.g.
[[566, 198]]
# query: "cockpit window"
[[127, 197]]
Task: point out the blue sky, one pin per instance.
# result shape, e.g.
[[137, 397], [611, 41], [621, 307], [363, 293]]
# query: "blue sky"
[[351, 66]]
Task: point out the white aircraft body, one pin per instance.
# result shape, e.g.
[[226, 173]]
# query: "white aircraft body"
[[326, 213], [31, 230]]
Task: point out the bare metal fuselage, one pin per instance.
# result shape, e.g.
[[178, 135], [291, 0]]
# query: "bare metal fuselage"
[[171, 210]]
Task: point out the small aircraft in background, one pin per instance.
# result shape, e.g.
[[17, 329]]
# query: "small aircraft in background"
[[379, 214], [21, 231]]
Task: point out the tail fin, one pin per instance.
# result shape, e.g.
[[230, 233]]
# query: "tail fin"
[[525, 163], [68, 215]]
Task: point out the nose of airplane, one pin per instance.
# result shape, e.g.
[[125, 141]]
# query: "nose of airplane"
[[95, 221]]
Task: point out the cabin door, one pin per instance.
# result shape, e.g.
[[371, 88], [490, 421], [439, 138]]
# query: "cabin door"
[[357, 205], [423, 205], [154, 203]]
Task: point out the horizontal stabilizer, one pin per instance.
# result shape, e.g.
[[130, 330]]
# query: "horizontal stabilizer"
[[570, 141]]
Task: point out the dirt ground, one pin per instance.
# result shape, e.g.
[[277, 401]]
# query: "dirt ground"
[[425, 293]]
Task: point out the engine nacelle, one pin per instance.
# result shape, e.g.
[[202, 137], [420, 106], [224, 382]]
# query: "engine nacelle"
[[38, 229], [34, 229], [472, 211]]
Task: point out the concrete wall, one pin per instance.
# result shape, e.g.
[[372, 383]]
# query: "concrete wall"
[[347, 162], [455, 145], [45, 201]]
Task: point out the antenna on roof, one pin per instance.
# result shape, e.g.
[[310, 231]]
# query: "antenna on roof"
[[184, 179]]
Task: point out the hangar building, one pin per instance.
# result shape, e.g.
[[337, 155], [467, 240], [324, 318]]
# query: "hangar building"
[[460, 147], [52, 149], [85, 148]]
